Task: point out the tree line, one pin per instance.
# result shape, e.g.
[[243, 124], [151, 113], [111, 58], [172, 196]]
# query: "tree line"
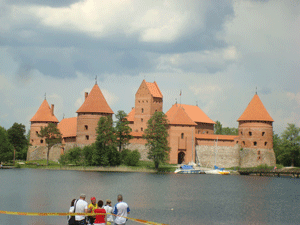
[[13, 143]]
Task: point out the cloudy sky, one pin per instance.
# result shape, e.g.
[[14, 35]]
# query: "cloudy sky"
[[216, 52]]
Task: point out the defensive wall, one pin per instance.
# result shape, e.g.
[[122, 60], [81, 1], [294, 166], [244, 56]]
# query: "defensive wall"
[[206, 155]]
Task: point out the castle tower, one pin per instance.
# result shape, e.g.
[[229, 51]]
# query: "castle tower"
[[148, 100], [256, 126], [256, 135], [88, 115], [42, 118]]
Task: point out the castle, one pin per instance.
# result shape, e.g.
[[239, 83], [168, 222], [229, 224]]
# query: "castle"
[[191, 131]]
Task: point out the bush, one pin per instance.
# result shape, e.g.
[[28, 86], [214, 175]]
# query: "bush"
[[124, 154], [88, 152], [131, 158], [63, 159], [75, 156]]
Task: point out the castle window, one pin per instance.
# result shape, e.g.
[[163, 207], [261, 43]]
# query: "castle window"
[[243, 143], [263, 134], [87, 137], [266, 143], [258, 152], [237, 142], [155, 110], [86, 127], [36, 132], [250, 133], [142, 110], [182, 135], [142, 129], [255, 143], [42, 141], [258, 158], [31, 140], [142, 120], [241, 132]]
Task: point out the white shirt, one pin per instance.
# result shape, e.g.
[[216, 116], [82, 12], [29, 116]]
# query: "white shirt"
[[121, 209], [71, 210], [109, 209], [81, 205]]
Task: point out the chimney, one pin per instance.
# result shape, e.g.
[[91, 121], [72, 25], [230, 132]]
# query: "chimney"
[[86, 94], [52, 109]]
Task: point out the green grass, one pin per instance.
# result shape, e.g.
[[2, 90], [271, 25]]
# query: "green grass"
[[143, 166]]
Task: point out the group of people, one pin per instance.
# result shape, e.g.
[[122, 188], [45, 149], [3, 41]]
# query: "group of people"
[[109, 215]]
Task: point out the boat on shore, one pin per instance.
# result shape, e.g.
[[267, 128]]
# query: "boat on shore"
[[217, 170], [188, 169]]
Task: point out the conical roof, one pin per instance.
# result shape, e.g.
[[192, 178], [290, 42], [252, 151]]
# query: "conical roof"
[[44, 114], [177, 116], [255, 111], [95, 103]]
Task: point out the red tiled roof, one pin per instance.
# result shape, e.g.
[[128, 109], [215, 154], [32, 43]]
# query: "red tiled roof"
[[130, 116], [177, 115], [255, 111], [196, 114], [44, 114], [215, 137], [154, 90], [68, 127], [95, 102]]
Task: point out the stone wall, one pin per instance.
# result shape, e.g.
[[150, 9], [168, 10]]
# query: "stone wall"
[[40, 152], [234, 156], [256, 157], [221, 156], [141, 148]]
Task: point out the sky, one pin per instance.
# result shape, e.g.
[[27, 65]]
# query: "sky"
[[217, 53]]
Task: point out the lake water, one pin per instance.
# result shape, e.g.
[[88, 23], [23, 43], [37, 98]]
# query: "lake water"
[[195, 199]]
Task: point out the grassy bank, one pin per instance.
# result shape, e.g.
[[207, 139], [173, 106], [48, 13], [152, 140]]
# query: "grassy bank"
[[143, 166]]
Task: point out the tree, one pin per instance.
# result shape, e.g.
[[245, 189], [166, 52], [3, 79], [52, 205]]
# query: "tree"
[[6, 149], [17, 137], [122, 129], [291, 143], [52, 137], [106, 152], [219, 129], [156, 135]]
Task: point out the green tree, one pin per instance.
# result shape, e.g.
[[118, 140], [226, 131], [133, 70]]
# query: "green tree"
[[156, 135], [52, 137], [291, 143], [218, 127], [122, 129], [6, 148], [106, 152], [75, 155], [17, 137], [88, 152]]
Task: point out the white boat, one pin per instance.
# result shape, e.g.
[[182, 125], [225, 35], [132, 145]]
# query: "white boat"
[[217, 170], [188, 169]]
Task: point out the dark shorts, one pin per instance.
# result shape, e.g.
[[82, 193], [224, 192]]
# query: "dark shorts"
[[80, 222]]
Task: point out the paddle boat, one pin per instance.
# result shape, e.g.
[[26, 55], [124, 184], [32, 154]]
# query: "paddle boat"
[[188, 169], [217, 170]]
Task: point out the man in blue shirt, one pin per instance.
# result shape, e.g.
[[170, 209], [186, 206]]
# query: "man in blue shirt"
[[121, 210]]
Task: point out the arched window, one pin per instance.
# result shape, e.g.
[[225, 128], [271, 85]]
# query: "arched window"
[[142, 129], [182, 135], [266, 143], [250, 133], [142, 110], [255, 143], [87, 137], [263, 134], [42, 141], [86, 127]]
